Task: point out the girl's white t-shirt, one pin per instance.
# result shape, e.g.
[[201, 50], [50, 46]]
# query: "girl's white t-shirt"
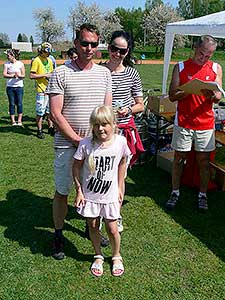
[[101, 184], [11, 69]]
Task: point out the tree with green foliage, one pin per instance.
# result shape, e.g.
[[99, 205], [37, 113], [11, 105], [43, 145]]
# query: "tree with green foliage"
[[4, 40], [131, 21], [32, 40], [149, 4], [48, 28], [189, 9], [155, 22], [19, 38], [24, 38]]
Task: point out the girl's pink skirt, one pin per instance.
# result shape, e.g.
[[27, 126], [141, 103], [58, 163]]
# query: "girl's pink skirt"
[[109, 211]]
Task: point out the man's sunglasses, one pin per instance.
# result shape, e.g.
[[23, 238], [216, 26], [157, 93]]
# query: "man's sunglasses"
[[115, 49], [86, 44]]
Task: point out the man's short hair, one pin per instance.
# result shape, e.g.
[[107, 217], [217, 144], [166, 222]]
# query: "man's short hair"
[[87, 27], [206, 39]]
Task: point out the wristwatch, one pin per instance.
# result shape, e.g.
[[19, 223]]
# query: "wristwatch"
[[130, 110]]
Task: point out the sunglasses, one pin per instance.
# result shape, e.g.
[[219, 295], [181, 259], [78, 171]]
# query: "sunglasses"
[[86, 44], [115, 49]]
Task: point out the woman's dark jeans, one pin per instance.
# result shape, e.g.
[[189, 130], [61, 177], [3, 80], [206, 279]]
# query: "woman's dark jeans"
[[15, 96]]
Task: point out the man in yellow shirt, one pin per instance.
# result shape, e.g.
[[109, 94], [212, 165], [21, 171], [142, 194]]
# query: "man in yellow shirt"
[[41, 69]]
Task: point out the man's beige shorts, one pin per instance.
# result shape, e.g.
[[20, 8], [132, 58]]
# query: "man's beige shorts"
[[63, 170], [183, 138]]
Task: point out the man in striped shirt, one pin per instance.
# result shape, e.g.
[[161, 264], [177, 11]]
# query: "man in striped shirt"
[[75, 90]]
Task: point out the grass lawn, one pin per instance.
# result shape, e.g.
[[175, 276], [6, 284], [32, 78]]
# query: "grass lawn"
[[167, 255]]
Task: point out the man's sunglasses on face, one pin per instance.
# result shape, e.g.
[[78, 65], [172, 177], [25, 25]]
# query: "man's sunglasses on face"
[[86, 44], [122, 51]]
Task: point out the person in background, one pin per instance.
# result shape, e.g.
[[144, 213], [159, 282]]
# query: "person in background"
[[102, 158], [53, 61], [14, 72], [126, 92], [194, 120], [41, 70], [75, 90], [71, 53]]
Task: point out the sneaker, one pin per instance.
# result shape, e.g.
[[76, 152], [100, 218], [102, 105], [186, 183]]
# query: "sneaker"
[[120, 224], [14, 124], [40, 134], [57, 249], [104, 240], [51, 131], [171, 203], [202, 203], [20, 124]]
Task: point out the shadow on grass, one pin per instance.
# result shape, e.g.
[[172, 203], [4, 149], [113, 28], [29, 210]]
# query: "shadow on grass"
[[28, 218], [29, 126], [209, 228]]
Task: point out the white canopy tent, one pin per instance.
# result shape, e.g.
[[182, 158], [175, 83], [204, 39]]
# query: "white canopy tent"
[[213, 24]]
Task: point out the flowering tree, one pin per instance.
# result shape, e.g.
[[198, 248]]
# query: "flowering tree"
[[48, 28], [106, 21], [154, 24]]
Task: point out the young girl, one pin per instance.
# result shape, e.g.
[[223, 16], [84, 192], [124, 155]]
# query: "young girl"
[[102, 158]]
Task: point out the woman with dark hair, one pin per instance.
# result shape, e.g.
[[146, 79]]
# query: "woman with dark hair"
[[127, 98], [14, 71], [72, 54], [126, 91]]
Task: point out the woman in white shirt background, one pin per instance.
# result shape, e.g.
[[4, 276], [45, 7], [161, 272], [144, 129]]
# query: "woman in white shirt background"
[[14, 72]]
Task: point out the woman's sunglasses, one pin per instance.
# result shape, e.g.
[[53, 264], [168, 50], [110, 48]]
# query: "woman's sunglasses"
[[86, 43], [121, 50]]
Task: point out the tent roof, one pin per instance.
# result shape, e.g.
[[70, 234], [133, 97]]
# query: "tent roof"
[[213, 24]]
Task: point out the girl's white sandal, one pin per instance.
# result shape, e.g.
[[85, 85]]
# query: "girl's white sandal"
[[97, 268], [117, 269]]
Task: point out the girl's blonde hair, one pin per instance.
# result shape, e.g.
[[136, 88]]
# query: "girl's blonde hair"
[[100, 115]]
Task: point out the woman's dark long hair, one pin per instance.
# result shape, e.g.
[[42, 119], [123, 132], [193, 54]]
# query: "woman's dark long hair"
[[119, 33]]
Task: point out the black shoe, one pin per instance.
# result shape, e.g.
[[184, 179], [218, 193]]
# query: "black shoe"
[[40, 134], [172, 202], [51, 131], [202, 204], [57, 249]]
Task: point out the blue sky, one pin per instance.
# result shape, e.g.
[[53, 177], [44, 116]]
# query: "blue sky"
[[17, 15]]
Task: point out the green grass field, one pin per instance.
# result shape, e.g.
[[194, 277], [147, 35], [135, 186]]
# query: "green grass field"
[[167, 255]]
